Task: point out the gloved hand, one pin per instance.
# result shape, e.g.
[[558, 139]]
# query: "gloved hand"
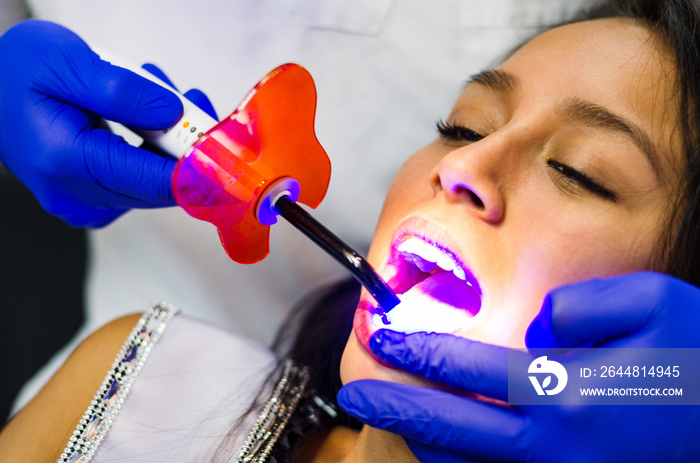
[[54, 92], [636, 310]]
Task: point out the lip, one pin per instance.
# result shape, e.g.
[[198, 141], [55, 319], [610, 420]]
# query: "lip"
[[429, 232], [421, 228]]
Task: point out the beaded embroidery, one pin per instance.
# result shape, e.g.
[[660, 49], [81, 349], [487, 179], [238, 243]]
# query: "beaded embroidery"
[[109, 398], [275, 414]]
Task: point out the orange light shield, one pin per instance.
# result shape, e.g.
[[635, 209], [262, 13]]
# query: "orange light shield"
[[269, 136]]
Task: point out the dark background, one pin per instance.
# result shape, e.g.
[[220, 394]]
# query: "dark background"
[[42, 270]]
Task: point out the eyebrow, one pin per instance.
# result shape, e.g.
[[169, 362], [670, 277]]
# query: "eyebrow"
[[497, 80], [597, 116], [579, 110]]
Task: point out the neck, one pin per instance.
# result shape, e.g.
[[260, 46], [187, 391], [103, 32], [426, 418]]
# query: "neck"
[[373, 445], [343, 445]]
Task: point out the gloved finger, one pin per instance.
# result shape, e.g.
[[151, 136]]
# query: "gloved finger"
[[158, 72], [196, 96], [135, 177], [91, 218], [599, 310], [457, 362], [72, 73], [127, 177], [201, 100], [428, 454], [438, 418], [127, 98]]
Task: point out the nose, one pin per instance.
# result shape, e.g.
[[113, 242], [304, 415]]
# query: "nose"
[[470, 176]]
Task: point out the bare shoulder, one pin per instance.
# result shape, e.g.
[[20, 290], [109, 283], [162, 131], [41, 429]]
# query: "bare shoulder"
[[40, 431]]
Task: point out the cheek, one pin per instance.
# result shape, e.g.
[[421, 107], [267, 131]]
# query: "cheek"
[[410, 187], [411, 183], [560, 252], [560, 247]]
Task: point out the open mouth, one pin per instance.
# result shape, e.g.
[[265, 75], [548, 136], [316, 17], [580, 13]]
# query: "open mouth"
[[438, 293]]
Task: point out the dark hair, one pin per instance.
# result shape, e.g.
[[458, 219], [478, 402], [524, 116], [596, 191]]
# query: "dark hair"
[[677, 23], [315, 335]]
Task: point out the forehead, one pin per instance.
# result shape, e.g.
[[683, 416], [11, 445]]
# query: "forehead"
[[614, 51]]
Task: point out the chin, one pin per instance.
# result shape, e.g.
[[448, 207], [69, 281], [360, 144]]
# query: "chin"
[[358, 363]]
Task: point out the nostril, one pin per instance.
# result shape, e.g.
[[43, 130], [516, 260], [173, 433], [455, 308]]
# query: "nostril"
[[463, 191], [477, 201]]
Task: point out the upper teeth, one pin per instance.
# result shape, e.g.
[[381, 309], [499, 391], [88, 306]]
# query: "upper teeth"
[[426, 256]]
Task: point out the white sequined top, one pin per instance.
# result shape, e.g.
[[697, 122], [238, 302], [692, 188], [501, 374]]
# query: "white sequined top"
[[196, 381]]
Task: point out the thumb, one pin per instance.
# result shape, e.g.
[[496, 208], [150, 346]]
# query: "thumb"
[[68, 70], [123, 96]]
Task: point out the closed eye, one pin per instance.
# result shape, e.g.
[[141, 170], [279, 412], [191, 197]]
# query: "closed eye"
[[582, 180], [457, 133]]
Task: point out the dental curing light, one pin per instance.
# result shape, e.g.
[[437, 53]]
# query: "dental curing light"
[[352, 260], [242, 172]]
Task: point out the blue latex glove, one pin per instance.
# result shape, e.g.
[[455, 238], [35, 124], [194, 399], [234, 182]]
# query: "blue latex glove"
[[54, 92], [637, 310]]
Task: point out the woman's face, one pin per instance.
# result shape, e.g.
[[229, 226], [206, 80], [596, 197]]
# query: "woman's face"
[[557, 167]]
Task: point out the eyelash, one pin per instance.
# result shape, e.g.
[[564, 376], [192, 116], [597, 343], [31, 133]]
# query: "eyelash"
[[583, 180], [457, 133], [453, 132]]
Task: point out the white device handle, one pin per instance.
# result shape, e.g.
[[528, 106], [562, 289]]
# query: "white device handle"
[[178, 139]]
